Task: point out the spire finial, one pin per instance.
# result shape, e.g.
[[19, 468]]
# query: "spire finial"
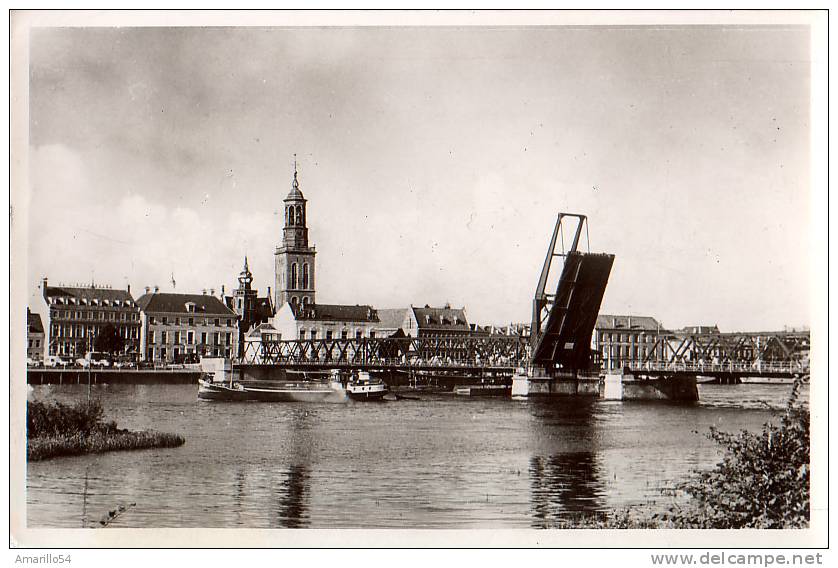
[[246, 269], [296, 184]]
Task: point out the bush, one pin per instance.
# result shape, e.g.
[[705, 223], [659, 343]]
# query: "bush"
[[762, 481], [55, 419], [66, 430]]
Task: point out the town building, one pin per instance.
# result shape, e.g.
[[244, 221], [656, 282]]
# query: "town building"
[[325, 321], [248, 306], [35, 337], [295, 258], [77, 314], [626, 340], [444, 321], [183, 327]]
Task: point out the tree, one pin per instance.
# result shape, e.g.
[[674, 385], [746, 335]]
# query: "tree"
[[762, 482], [109, 340]]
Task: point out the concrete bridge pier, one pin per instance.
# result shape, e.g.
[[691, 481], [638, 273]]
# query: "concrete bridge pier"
[[538, 381], [628, 386]]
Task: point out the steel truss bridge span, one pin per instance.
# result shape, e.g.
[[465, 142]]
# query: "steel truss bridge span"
[[499, 353]]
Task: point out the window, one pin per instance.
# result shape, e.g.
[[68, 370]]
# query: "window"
[[151, 320], [151, 337], [294, 300], [217, 322], [227, 338], [177, 338], [305, 276], [328, 334], [190, 337], [372, 334], [204, 337], [164, 338], [122, 316], [302, 334], [344, 334], [191, 323], [294, 276], [359, 334], [165, 320], [217, 338], [177, 321], [313, 334]]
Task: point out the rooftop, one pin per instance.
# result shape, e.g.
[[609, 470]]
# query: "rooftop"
[[177, 303], [335, 312], [604, 321], [447, 318], [33, 322]]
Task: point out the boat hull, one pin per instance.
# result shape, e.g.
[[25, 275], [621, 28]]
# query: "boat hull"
[[368, 395], [217, 392]]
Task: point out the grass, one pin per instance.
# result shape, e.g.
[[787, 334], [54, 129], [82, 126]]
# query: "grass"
[[56, 429]]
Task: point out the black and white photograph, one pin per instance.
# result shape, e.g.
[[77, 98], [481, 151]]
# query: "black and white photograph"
[[452, 278]]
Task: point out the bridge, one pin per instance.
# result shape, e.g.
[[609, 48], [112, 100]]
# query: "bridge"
[[565, 308], [494, 355], [726, 355]]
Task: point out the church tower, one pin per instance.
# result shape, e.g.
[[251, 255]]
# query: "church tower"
[[294, 258]]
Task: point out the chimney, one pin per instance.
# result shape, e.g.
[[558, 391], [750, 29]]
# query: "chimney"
[[147, 289], [129, 289], [44, 283], [156, 289], [222, 290], [212, 291], [204, 291]]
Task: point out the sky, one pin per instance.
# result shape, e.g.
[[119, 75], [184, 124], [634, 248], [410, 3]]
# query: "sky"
[[434, 161]]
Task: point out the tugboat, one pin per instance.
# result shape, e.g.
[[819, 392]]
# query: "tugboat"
[[364, 387]]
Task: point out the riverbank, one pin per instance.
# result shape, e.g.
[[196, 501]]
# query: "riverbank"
[[55, 430]]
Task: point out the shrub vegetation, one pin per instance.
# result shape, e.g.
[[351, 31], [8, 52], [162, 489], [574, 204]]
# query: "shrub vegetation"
[[58, 429]]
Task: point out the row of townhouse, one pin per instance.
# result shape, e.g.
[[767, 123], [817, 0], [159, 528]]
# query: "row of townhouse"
[[158, 327]]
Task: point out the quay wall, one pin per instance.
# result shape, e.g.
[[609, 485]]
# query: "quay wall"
[[115, 376]]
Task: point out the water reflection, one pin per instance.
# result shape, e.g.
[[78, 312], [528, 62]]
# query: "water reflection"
[[563, 485], [292, 499], [565, 474], [291, 491]]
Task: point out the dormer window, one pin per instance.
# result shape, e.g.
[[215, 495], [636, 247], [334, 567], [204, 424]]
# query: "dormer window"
[[106, 302], [190, 307], [428, 320]]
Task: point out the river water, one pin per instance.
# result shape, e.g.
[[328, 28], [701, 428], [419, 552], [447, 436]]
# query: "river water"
[[443, 461]]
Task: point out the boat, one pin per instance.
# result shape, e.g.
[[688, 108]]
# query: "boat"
[[304, 389], [364, 387], [483, 390]]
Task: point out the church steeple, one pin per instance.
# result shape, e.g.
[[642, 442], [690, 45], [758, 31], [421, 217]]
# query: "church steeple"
[[245, 277], [295, 233], [294, 257]]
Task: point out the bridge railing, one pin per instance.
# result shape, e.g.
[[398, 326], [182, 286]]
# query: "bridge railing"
[[738, 367], [442, 352]]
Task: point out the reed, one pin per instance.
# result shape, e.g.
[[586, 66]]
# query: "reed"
[[56, 429]]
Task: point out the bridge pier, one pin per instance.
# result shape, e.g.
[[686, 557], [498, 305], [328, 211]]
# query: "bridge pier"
[[538, 381], [628, 386]]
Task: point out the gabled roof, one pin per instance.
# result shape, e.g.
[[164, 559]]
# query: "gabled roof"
[[334, 312], [450, 319], [88, 293], [604, 321], [160, 302], [33, 322], [392, 318], [261, 328]]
